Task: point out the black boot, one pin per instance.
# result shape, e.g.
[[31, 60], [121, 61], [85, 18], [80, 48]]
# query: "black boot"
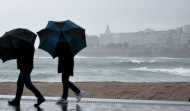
[[39, 102], [14, 102]]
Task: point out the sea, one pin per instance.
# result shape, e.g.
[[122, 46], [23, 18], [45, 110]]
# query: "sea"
[[104, 69]]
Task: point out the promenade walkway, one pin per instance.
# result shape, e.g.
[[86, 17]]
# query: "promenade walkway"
[[92, 104]]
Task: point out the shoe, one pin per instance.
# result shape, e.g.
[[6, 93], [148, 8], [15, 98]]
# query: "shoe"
[[63, 101], [79, 96], [14, 102], [40, 101]]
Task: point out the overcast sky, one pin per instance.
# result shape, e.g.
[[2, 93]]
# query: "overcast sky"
[[94, 15]]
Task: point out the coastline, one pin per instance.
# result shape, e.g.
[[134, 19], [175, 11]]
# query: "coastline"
[[169, 91]]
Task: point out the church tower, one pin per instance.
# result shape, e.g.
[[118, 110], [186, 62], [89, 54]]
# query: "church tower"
[[107, 31]]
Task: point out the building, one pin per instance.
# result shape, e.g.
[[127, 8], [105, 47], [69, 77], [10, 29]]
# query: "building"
[[147, 38], [92, 41], [185, 36]]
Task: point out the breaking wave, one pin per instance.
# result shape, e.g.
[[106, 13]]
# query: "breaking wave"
[[177, 71]]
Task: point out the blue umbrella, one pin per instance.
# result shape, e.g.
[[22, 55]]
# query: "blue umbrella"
[[62, 32]]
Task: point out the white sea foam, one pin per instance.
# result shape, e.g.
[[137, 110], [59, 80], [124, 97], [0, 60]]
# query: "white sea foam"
[[144, 61], [42, 57], [153, 61], [136, 61], [101, 57], [177, 71], [166, 58]]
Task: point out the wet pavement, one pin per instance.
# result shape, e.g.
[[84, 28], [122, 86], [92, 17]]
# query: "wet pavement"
[[92, 104]]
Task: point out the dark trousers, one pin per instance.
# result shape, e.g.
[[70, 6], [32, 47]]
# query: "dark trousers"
[[66, 85], [24, 78]]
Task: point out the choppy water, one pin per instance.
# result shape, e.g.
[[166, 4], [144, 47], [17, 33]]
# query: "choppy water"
[[106, 69]]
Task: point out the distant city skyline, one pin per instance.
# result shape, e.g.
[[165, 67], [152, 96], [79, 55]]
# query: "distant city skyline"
[[177, 37], [107, 26]]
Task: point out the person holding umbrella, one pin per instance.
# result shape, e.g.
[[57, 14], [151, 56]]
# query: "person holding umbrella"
[[20, 45], [64, 40], [66, 66]]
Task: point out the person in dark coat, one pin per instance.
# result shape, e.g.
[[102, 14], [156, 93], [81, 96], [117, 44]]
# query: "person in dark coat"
[[66, 66], [25, 56]]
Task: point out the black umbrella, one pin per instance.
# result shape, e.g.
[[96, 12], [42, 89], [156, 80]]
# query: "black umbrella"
[[13, 40], [65, 32]]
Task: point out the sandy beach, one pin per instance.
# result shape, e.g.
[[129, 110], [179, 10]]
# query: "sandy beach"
[[177, 91]]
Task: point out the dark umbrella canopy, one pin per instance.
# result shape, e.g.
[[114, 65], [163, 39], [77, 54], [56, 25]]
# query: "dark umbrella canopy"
[[72, 34], [11, 41]]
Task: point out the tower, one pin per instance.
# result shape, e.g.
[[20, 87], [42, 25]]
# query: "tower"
[[107, 31]]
